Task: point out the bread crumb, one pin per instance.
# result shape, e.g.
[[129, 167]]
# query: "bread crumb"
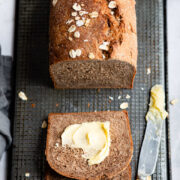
[[79, 23], [148, 178], [86, 40], [174, 101], [82, 4], [78, 52], [70, 38], [57, 105], [33, 105], [27, 174], [77, 18], [87, 22], [91, 56], [94, 14], [54, 2], [148, 70], [88, 105], [119, 97], [74, 14], [44, 125], [111, 98], [98, 90], [76, 7], [104, 46], [112, 12], [72, 28], [22, 96], [77, 34], [124, 105], [72, 53], [128, 96], [112, 4], [69, 21]]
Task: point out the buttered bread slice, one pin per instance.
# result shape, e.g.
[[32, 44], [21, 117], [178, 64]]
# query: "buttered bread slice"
[[89, 145]]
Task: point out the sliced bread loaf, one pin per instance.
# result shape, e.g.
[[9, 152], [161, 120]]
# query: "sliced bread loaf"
[[70, 163]]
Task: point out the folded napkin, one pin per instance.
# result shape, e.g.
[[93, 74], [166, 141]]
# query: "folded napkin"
[[6, 64]]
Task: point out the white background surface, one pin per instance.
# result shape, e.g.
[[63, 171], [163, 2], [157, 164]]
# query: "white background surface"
[[6, 40], [174, 83]]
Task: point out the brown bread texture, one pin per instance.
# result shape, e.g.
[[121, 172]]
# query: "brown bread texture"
[[69, 161], [114, 65], [52, 175]]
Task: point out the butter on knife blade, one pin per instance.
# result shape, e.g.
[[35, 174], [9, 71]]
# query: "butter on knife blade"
[[155, 119]]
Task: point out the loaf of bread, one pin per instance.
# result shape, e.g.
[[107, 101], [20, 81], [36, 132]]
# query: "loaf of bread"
[[52, 175], [93, 43], [69, 161]]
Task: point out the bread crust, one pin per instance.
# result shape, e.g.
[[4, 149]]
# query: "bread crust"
[[110, 173], [117, 28]]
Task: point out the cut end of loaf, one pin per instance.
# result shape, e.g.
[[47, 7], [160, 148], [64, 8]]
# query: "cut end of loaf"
[[92, 74]]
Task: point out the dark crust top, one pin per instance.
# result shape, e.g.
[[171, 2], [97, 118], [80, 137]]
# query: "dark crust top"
[[118, 29], [69, 162]]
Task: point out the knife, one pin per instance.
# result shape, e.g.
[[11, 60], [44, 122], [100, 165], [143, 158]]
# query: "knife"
[[150, 147]]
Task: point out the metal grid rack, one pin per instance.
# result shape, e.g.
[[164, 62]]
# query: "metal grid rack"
[[32, 78]]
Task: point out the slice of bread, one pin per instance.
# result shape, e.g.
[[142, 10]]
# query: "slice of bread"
[[70, 163], [52, 175]]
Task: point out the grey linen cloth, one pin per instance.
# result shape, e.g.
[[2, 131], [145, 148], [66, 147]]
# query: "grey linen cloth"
[[6, 64]]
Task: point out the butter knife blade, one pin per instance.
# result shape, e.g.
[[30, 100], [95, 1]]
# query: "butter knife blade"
[[150, 148]]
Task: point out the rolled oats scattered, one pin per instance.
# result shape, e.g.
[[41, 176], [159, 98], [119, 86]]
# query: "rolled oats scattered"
[[44, 125], [94, 14], [91, 56], [70, 38], [124, 105], [77, 18], [54, 2], [112, 4], [69, 21], [104, 46], [72, 28], [79, 23], [81, 13], [74, 14], [87, 22], [22, 96], [72, 53], [128, 96], [77, 34], [78, 52], [27, 174], [148, 70], [76, 7]]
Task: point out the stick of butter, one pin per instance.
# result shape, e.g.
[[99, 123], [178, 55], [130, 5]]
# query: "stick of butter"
[[92, 137]]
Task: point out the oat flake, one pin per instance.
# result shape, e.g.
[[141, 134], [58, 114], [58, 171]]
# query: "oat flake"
[[94, 14], [124, 105], [91, 56], [72, 53], [22, 96], [72, 28], [76, 7], [112, 4]]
